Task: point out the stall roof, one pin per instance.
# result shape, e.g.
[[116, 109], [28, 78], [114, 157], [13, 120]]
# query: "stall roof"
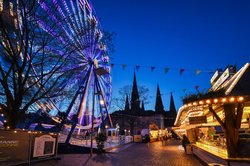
[[237, 85]]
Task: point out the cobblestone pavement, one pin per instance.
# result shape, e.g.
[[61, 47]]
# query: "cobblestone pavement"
[[139, 154]]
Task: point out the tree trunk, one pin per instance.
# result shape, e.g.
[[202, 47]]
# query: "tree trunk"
[[12, 120], [231, 132]]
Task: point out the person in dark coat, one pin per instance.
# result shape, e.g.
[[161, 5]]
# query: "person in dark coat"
[[185, 142]]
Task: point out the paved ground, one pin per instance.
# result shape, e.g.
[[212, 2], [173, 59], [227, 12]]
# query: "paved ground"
[[137, 154]]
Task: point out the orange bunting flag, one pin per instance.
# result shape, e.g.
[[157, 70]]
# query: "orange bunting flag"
[[198, 72]]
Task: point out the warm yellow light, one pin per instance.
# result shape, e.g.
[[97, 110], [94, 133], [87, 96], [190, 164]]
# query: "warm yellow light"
[[194, 103], [23, 129], [232, 99], [15, 131], [215, 100], [189, 105], [224, 100], [240, 98], [102, 102], [29, 131], [200, 102], [185, 105], [208, 101], [8, 127]]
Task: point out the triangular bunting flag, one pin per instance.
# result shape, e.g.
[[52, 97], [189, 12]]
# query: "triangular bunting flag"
[[124, 66], [137, 67], [182, 71], [166, 70], [152, 68], [197, 87], [198, 72]]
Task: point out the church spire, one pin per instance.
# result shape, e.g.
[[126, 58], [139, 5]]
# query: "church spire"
[[172, 112], [135, 101], [172, 108], [126, 104], [142, 106], [159, 108]]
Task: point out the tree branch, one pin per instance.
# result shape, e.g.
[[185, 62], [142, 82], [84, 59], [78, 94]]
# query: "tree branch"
[[217, 117]]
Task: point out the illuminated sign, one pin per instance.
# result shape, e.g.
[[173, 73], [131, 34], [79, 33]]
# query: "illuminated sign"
[[197, 120], [14, 147], [44, 146]]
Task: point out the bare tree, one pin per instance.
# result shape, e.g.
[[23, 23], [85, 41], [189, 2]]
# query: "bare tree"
[[119, 101], [34, 57]]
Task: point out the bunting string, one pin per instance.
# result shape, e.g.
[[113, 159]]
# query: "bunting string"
[[164, 69]]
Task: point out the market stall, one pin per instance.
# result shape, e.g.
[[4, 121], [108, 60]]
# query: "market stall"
[[215, 121]]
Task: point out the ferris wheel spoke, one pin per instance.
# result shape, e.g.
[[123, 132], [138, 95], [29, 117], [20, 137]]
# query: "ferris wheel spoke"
[[75, 16]]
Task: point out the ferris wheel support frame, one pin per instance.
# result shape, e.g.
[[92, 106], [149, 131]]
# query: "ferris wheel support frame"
[[105, 104], [74, 124], [99, 93]]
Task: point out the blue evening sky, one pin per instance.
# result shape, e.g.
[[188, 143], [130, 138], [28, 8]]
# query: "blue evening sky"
[[191, 34]]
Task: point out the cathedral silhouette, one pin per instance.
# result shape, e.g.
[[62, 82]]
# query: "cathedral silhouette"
[[134, 117]]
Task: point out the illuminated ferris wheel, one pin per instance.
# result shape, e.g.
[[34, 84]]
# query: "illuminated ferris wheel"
[[90, 80]]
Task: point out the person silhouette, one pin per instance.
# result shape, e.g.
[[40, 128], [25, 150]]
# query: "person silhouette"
[[185, 142]]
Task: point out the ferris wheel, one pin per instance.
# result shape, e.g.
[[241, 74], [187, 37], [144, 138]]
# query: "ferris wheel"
[[89, 81]]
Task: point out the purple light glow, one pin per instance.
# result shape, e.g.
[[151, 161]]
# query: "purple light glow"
[[73, 32]]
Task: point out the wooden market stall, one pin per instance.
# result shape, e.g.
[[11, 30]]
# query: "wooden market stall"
[[217, 123]]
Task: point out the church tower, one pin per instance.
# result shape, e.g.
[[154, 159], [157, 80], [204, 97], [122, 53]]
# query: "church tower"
[[135, 101], [171, 114], [142, 106], [126, 104], [159, 108], [172, 108]]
